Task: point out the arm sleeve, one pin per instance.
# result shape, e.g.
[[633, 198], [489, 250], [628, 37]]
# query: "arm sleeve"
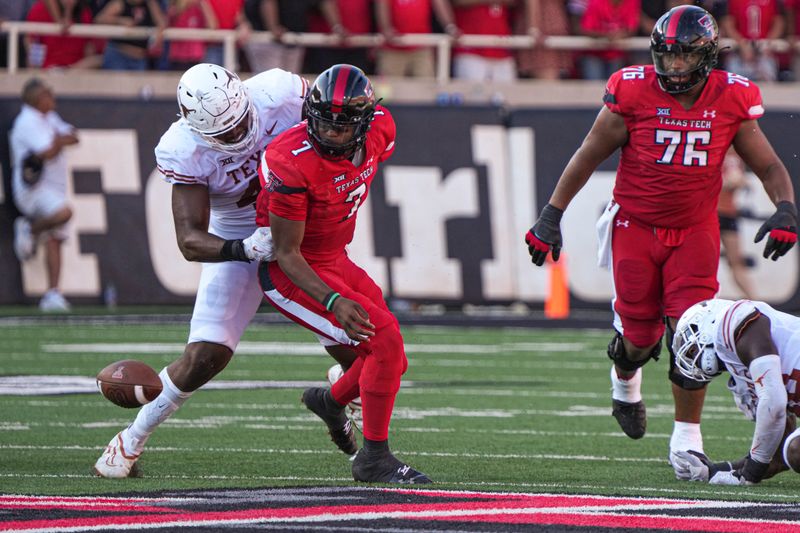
[[177, 161], [384, 123], [771, 410], [611, 98], [752, 105], [287, 189], [734, 320]]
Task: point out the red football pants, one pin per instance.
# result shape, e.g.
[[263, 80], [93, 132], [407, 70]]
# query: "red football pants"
[[375, 375], [660, 272]]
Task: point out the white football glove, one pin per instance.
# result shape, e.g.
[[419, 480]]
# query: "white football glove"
[[258, 246], [745, 398], [729, 477], [688, 465]]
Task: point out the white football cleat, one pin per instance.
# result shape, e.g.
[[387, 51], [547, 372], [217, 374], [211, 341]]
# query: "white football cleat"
[[335, 373], [54, 302], [115, 462]]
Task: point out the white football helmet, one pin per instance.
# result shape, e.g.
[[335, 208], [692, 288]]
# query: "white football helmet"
[[693, 343], [214, 102]]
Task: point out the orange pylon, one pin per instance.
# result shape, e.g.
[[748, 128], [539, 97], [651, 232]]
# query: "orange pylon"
[[557, 303]]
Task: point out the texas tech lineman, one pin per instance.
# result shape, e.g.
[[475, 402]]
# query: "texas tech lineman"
[[317, 175], [674, 121]]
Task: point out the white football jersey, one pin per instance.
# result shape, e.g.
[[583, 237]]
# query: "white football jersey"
[[183, 157], [785, 330]]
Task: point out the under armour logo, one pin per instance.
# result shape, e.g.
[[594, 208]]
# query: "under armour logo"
[[623, 223], [710, 113]]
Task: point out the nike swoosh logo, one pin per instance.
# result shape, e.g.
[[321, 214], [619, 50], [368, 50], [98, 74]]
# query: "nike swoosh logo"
[[269, 131]]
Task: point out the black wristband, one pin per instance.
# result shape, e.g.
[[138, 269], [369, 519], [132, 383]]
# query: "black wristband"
[[329, 299], [552, 213], [233, 250], [753, 470]]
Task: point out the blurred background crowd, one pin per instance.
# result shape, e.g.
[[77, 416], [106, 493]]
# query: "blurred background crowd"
[[750, 24]]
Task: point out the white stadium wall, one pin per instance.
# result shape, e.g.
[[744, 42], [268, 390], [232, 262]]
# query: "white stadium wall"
[[444, 222]]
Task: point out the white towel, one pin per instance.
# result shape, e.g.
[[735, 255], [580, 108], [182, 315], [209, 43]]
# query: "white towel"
[[605, 225]]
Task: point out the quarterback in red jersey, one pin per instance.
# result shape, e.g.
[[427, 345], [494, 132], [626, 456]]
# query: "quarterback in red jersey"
[[674, 121], [316, 175]]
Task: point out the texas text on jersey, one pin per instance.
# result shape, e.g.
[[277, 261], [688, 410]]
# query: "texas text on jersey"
[[667, 143], [301, 185]]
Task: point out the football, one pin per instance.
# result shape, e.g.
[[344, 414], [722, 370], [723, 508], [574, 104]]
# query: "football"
[[129, 383]]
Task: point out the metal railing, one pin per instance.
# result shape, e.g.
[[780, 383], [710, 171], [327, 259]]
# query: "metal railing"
[[441, 42]]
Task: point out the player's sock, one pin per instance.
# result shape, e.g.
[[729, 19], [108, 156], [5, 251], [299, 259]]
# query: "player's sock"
[[346, 388], [626, 390], [153, 414], [376, 410], [686, 436]]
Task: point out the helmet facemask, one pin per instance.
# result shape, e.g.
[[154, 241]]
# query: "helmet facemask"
[[679, 71], [693, 344], [240, 136]]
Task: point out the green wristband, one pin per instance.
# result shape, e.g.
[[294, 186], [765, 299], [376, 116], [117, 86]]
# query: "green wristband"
[[329, 299]]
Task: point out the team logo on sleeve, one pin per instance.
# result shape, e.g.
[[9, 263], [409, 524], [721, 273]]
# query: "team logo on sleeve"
[[273, 182]]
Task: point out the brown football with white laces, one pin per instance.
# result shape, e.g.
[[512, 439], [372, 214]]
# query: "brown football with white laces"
[[129, 383]]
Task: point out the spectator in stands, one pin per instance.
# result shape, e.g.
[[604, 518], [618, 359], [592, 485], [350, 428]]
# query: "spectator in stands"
[[733, 181], [484, 17], [132, 54], [543, 18], [280, 17], [747, 22], [358, 20], [611, 21], [189, 14], [14, 12], [230, 16], [39, 183], [48, 51], [793, 36], [402, 17]]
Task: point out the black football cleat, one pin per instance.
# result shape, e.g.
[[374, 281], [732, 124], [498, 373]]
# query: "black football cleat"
[[339, 426], [386, 469], [631, 417]]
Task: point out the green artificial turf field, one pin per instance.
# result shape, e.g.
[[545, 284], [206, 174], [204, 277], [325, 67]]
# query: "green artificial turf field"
[[522, 410]]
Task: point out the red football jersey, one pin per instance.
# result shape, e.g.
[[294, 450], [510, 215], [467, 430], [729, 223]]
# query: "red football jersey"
[[754, 18], [301, 185], [669, 173]]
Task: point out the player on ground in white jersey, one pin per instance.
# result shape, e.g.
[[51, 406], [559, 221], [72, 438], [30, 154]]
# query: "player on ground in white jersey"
[[211, 155], [760, 347]]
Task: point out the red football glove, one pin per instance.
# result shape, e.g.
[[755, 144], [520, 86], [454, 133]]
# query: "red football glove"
[[782, 229]]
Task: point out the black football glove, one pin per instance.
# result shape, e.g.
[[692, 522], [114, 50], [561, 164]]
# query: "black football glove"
[[32, 167], [545, 235], [782, 229]]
